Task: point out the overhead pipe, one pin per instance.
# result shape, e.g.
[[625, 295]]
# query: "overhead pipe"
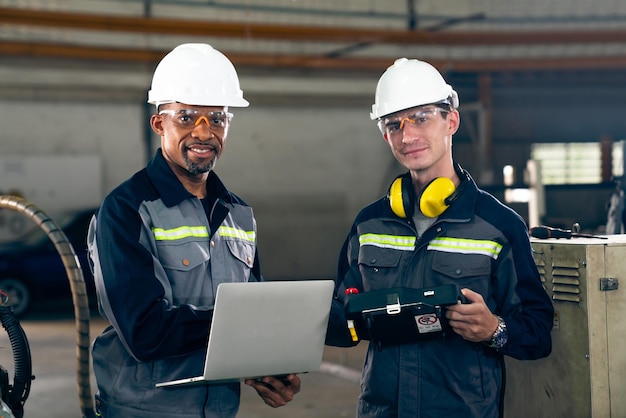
[[293, 61], [294, 33], [401, 16]]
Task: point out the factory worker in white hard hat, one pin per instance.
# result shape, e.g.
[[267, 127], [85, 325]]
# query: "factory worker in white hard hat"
[[162, 242]]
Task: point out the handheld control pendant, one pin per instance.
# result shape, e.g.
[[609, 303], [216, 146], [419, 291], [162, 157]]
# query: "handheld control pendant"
[[399, 315], [351, 327]]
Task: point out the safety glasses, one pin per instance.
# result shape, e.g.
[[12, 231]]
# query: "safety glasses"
[[422, 117], [189, 118]]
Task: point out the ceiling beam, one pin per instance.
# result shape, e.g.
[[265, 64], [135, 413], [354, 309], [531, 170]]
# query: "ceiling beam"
[[258, 31], [292, 61]]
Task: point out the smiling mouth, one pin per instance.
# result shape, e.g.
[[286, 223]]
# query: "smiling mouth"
[[202, 150], [413, 151]]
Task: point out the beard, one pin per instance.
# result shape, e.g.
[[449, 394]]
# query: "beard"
[[199, 167]]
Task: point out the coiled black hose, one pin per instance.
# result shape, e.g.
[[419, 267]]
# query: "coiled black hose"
[[79, 293], [22, 361]]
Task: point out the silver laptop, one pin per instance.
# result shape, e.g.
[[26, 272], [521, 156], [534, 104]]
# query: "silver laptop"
[[265, 329]]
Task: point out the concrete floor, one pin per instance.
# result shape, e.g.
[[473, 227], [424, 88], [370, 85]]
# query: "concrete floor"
[[329, 393]]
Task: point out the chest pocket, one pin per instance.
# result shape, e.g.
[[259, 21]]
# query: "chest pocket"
[[375, 258], [459, 266], [240, 243], [383, 250], [467, 262], [183, 256], [380, 258], [459, 258], [242, 251], [182, 249]]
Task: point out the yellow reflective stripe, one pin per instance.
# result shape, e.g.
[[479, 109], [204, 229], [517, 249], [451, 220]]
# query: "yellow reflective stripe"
[[466, 246], [395, 242], [227, 231], [181, 232]]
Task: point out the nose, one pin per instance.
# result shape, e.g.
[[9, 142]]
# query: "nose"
[[202, 131], [409, 134]]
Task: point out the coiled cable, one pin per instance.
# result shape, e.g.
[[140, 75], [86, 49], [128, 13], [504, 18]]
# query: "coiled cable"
[[23, 375], [79, 292]]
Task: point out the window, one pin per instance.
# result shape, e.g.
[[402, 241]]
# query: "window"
[[575, 163], [617, 158]]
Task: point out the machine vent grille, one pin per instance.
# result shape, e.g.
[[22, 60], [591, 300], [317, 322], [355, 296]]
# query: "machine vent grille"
[[566, 281]]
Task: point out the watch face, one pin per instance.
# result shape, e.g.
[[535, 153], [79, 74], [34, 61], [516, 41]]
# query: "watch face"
[[499, 338]]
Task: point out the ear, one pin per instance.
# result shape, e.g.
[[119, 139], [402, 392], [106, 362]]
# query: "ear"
[[156, 123], [454, 119], [386, 138]]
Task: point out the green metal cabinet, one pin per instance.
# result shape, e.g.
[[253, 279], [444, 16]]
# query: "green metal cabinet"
[[585, 376]]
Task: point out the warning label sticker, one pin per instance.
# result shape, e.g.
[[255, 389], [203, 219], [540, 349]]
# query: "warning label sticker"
[[428, 323]]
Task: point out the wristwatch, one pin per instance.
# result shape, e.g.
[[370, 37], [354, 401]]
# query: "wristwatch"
[[500, 336]]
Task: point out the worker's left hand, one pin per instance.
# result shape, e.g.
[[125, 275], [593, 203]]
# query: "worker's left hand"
[[472, 320], [276, 391]]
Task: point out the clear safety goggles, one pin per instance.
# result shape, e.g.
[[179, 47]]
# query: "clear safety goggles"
[[190, 118], [422, 117]]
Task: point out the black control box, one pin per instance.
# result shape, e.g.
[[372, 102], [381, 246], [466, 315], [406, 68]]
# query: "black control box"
[[400, 315]]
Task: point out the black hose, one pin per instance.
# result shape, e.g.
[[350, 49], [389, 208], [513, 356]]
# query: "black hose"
[[22, 361], [79, 293]]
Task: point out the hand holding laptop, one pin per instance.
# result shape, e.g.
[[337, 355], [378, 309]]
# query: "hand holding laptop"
[[276, 390]]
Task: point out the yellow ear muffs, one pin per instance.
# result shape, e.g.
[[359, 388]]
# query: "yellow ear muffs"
[[434, 199], [437, 196], [400, 197]]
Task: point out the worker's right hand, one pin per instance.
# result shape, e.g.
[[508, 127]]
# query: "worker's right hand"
[[275, 391], [472, 320]]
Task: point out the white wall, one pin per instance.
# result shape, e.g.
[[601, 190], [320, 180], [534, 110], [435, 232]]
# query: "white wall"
[[65, 128], [306, 171]]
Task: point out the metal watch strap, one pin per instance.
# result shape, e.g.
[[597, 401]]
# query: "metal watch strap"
[[500, 336]]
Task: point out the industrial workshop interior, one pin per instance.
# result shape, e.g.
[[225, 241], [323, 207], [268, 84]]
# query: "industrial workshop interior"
[[542, 89]]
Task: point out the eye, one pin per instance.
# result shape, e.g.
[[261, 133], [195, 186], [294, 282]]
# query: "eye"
[[185, 117], [421, 117], [218, 120], [392, 126]]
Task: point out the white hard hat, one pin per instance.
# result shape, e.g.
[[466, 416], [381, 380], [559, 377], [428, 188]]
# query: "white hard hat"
[[196, 74], [409, 83]]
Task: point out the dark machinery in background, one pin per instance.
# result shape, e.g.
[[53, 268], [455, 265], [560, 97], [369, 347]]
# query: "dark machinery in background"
[[15, 395]]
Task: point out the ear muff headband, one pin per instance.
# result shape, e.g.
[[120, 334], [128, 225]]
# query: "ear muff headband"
[[401, 197], [437, 196], [433, 200]]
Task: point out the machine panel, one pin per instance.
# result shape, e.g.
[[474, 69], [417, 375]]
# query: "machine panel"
[[584, 375]]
